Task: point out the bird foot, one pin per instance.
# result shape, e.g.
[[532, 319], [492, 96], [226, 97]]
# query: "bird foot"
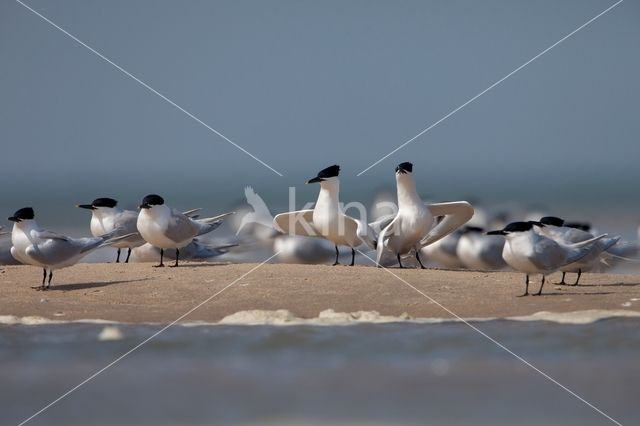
[[38, 287], [523, 295], [337, 263], [159, 266], [173, 266]]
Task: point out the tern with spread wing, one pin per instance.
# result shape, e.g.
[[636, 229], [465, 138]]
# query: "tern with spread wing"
[[326, 219], [167, 228], [412, 228], [33, 245]]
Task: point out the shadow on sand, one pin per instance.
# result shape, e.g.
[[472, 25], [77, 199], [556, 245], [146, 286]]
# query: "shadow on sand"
[[85, 286]]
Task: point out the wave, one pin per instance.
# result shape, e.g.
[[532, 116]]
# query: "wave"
[[329, 317]]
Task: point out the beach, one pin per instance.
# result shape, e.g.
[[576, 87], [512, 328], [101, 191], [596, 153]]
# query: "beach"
[[140, 293]]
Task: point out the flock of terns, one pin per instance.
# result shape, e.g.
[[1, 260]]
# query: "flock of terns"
[[416, 228]]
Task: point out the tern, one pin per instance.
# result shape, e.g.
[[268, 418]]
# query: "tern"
[[326, 219], [570, 233], [195, 250], [531, 252], [107, 217], [412, 228], [444, 251], [479, 251], [167, 228], [33, 245]]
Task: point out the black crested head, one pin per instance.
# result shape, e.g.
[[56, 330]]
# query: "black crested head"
[[324, 174], [331, 171], [552, 220], [472, 229], [519, 227], [405, 167], [583, 226], [151, 200], [104, 202], [25, 213]]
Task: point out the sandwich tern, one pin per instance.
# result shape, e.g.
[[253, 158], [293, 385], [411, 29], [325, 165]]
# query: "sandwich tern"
[[195, 250], [167, 228], [531, 252], [444, 251], [107, 217], [326, 219], [570, 233], [33, 245], [412, 228], [479, 251]]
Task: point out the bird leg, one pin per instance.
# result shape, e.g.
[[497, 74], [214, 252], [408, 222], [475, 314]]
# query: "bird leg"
[[418, 259], [128, 255], [541, 285], [579, 275], [44, 277], [399, 261], [177, 257], [50, 277], [563, 281], [118, 257], [353, 257], [337, 254], [161, 257], [526, 288]]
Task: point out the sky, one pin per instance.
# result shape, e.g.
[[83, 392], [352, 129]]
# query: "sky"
[[306, 84]]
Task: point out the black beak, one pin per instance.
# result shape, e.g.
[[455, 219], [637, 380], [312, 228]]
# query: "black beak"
[[144, 206], [315, 180], [86, 206], [14, 219], [496, 233]]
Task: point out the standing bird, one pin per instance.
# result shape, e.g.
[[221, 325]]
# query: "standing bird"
[[33, 245], [326, 219], [569, 233], [479, 251], [106, 218], [167, 228], [412, 228], [530, 252]]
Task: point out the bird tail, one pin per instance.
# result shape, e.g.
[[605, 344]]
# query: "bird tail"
[[210, 223], [113, 237], [214, 219], [590, 247]]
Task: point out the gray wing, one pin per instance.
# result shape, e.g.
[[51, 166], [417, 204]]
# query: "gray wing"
[[548, 255], [181, 228], [127, 223]]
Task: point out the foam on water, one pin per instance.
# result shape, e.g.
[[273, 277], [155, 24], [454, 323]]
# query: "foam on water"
[[329, 317]]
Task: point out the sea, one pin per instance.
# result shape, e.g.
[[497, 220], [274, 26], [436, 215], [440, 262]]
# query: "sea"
[[580, 369]]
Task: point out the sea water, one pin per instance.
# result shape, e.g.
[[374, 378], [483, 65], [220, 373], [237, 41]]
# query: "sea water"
[[322, 373]]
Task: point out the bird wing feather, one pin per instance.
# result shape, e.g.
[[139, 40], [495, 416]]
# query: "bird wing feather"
[[455, 214], [295, 223]]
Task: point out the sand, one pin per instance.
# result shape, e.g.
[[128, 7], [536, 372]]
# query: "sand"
[[140, 293]]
